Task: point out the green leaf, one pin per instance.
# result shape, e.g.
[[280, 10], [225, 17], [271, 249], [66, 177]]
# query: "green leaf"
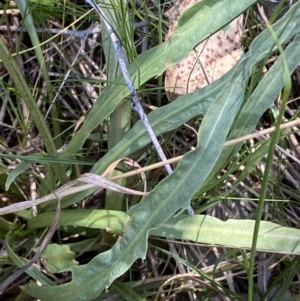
[[233, 233], [98, 219], [14, 190], [201, 228], [15, 173], [58, 257]]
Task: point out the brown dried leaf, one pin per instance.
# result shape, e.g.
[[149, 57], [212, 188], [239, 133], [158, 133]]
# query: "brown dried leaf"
[[217, 54]]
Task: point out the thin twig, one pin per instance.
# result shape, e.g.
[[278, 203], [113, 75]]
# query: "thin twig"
[[137, 104]]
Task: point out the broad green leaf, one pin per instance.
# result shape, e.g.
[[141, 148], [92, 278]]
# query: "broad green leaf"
[[201, 228], [99, 219], [57, 257], [235, 233]]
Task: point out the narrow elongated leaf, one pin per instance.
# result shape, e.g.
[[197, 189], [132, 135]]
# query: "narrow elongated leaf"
[[15, 173], [98, 219], [200, 228], [233, 233]]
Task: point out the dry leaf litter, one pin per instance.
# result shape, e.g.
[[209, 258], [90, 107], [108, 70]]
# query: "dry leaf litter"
[[210, 60]]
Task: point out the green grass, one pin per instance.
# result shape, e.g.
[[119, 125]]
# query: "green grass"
[[242, 242]]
